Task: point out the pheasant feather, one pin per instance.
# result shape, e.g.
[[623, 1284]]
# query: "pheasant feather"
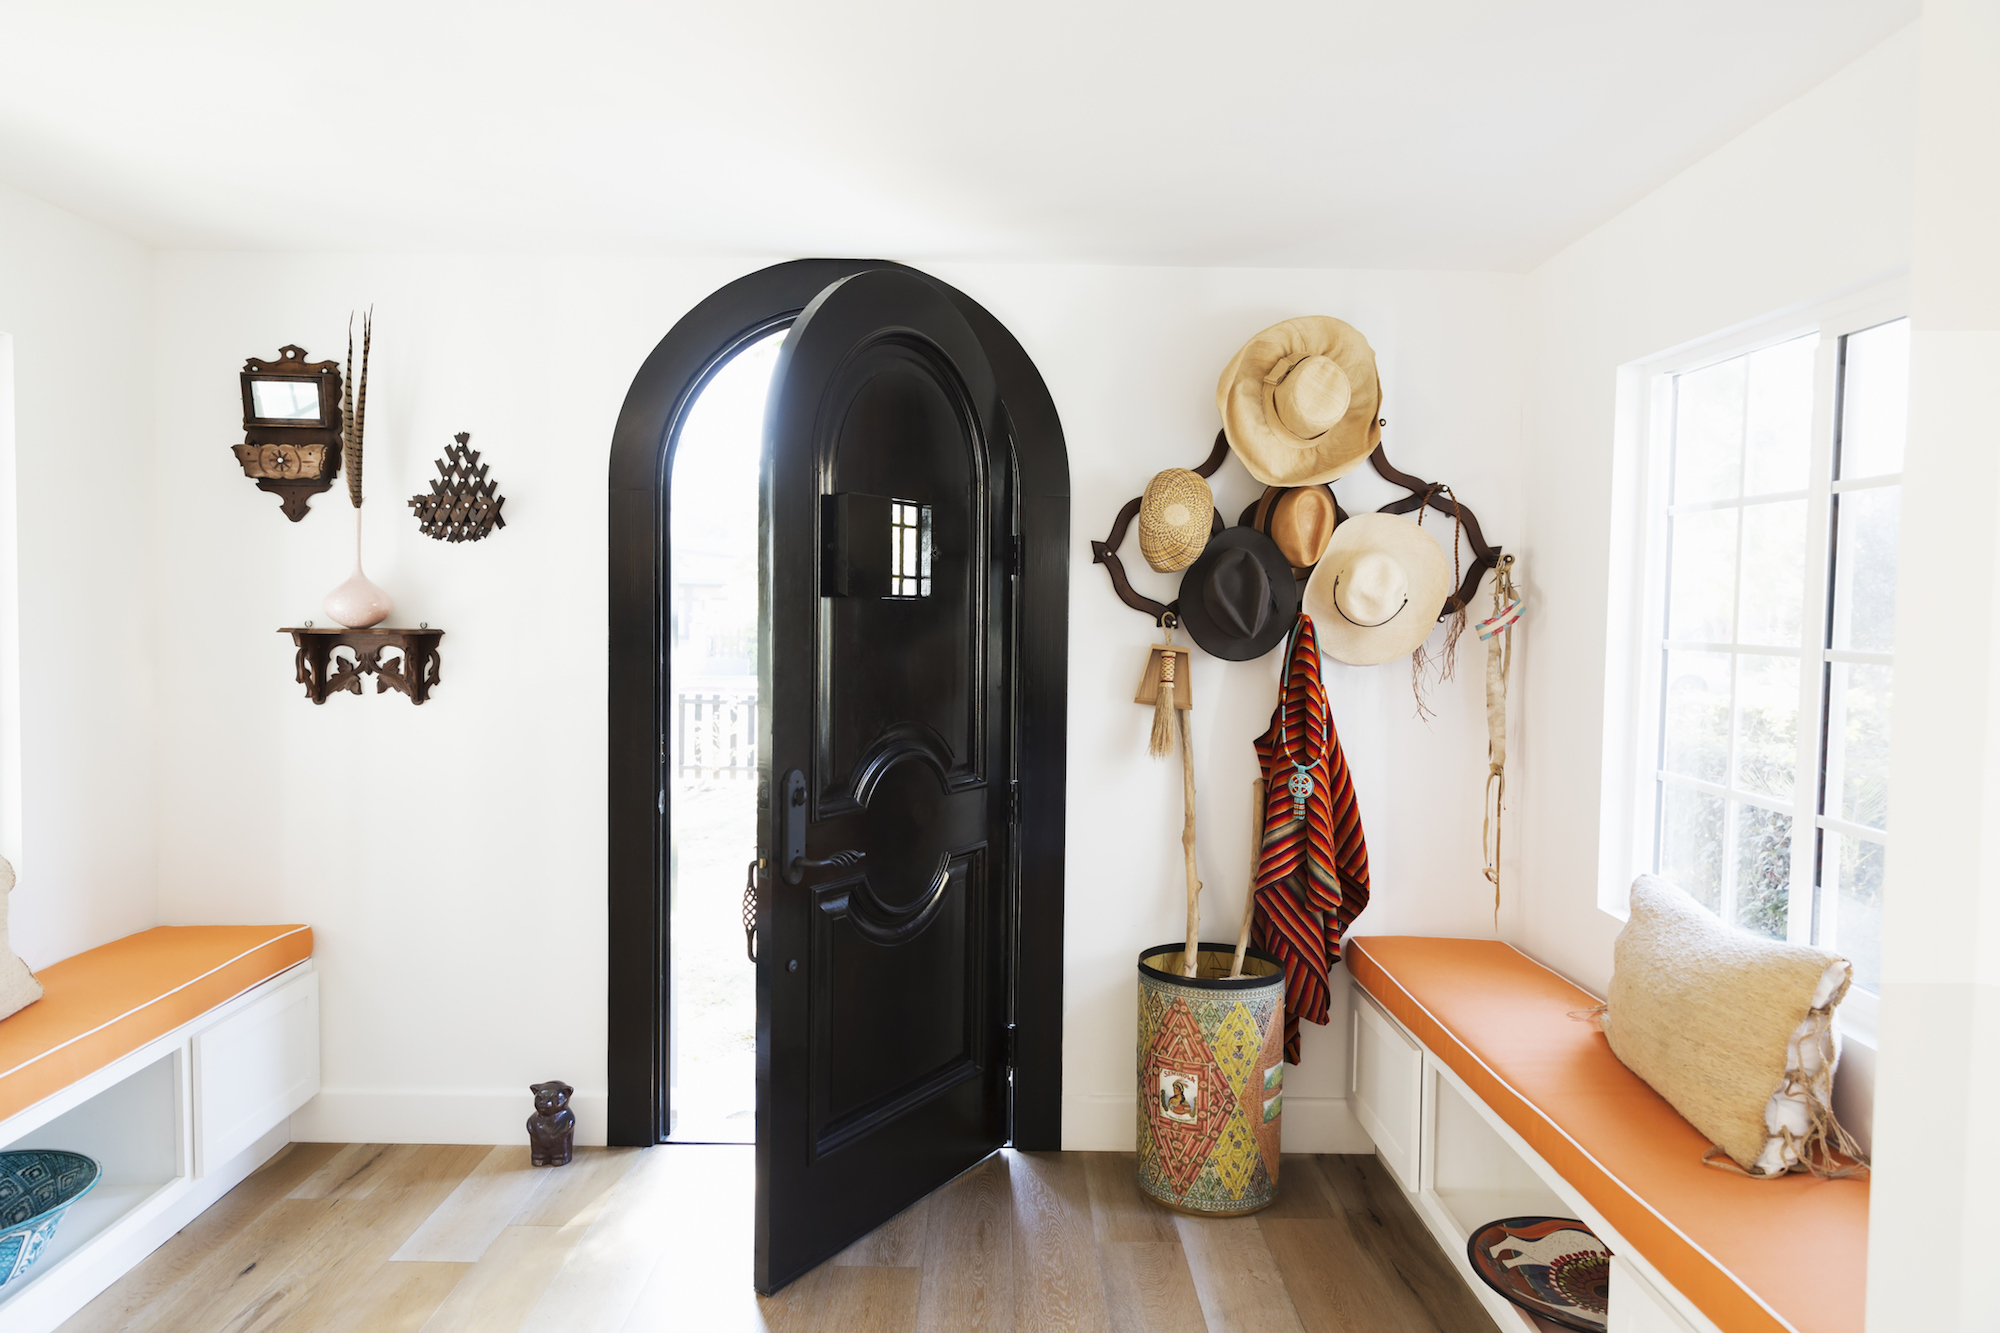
[[347, 397], [351, 443]]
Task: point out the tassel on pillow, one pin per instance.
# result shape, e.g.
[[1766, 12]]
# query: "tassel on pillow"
[[18, 987]]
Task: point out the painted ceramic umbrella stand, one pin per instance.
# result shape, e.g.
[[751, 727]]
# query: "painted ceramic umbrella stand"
[[1211, 1033], [1211, 1078]]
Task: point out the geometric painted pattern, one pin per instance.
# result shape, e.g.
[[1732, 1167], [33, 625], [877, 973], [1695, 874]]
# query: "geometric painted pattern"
[[1236, 1047], [37, 1186], [1236, 1154], [1191, 1101]]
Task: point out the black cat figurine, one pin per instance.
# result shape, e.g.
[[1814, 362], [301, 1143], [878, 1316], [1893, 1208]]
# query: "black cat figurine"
[[553, 1124]]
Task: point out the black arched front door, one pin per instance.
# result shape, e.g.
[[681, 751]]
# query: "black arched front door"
[[915, 554], [884, 968]]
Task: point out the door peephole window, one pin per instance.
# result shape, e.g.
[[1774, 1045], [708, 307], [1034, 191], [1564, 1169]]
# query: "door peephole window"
[[910, 546], [875, 546]]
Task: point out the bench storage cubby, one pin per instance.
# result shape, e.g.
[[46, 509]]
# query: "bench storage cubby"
[[175, 1058]]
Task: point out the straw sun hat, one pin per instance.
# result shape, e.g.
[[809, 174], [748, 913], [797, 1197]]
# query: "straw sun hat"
[[1301, 403], [1377, 590]]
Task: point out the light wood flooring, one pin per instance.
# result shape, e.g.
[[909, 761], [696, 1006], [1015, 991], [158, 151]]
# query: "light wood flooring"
[[400, 1239]]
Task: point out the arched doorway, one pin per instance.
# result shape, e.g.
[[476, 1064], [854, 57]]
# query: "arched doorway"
[[641, 692]]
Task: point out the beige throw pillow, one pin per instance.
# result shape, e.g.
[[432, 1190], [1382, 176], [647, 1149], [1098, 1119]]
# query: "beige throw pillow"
[[18, 987], [1734, 1030]]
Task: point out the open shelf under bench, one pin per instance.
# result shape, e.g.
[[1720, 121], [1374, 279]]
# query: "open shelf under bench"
[[175, 1125], [1464, 1167]]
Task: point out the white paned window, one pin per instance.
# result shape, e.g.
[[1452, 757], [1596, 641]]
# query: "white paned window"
[[1772, 502]]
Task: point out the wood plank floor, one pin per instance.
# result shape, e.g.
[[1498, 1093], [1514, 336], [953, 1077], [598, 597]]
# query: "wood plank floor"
[[366, 1238]]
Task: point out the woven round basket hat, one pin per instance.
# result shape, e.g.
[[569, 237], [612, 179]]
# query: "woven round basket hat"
[[1175, 516], [1301, 403]]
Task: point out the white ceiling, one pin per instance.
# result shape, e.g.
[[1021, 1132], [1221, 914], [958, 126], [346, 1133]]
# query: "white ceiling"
[[1401, 133]]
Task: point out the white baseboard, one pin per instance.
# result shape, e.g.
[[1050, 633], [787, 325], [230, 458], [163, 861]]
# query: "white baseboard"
[[1095, 1122], [1091, 1122], [369, 1115]]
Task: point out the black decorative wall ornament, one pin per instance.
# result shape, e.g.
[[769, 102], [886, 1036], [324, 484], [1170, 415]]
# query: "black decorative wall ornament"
[[462, 505], [1422, 493]]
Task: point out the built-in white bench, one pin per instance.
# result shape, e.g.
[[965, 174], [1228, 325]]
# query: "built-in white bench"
[[175, 1058], [1487, 1099]]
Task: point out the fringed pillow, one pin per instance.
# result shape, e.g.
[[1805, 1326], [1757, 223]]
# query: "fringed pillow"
[[1734, 1030], [18, 987]]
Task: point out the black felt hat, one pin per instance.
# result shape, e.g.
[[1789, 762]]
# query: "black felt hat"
[[1240, 599]]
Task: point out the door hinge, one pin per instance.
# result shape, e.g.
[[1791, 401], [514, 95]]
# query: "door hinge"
[[1014, 801], [1017, 559], [1012, 1041]]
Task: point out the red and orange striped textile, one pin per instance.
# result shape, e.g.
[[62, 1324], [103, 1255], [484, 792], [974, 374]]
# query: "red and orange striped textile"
[[1312, 878]]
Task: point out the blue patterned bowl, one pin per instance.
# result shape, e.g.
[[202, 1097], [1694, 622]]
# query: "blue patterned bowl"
[[36, 1188]]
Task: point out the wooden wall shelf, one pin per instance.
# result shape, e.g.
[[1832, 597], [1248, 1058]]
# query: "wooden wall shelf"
[[412, 670]]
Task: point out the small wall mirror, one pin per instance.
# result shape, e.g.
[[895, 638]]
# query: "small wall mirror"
[[291, 427], [286, 400]]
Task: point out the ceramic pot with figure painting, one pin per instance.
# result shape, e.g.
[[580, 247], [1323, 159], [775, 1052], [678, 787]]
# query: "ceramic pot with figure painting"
[[1211, 1079]]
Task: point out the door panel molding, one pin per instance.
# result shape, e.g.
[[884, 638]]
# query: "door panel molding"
[[1030, 442]]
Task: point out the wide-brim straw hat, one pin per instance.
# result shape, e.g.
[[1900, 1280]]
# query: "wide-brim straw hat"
[[1300, 519], [1377, 590], [1239, 600], [1301, 403], [1176, 514]]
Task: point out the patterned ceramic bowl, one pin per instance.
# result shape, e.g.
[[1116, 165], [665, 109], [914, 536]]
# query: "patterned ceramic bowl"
[[36, 1188], [1554, 1267]]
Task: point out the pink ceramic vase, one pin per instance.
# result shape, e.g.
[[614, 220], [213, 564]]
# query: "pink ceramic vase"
[[358, 603]]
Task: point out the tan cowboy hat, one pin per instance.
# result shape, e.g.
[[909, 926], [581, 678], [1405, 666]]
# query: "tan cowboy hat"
[[1301, 403], [1300, 519], [1176, 514], [1377, 591]]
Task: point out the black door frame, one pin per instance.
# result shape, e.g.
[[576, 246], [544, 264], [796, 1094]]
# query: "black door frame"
[[638, 794]]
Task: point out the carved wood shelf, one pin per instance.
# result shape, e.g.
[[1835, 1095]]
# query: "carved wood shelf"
[[412, 671]]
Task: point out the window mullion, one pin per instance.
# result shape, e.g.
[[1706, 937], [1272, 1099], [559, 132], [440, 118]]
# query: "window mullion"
[[1816, 700], [1730, 807]]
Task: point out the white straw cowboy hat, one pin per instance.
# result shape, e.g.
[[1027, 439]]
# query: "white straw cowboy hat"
[[1301, 403], [1377, 591]]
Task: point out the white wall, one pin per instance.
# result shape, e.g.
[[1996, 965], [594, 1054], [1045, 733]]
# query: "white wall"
[[77, 622], [1931, 1208], [1813, 200], [451, 858]]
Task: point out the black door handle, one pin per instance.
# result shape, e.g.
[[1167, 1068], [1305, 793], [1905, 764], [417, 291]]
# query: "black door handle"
[[750, 910], [796, 862], [839, 860]]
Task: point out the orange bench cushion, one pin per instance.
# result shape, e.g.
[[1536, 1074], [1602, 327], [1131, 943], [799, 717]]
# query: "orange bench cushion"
[[1790, 1253], [105, 1003]]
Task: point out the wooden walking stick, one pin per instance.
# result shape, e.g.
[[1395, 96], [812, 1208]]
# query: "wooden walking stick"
[[1256, 866], [1497, 630], [1168, 685], [1187, 848]]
